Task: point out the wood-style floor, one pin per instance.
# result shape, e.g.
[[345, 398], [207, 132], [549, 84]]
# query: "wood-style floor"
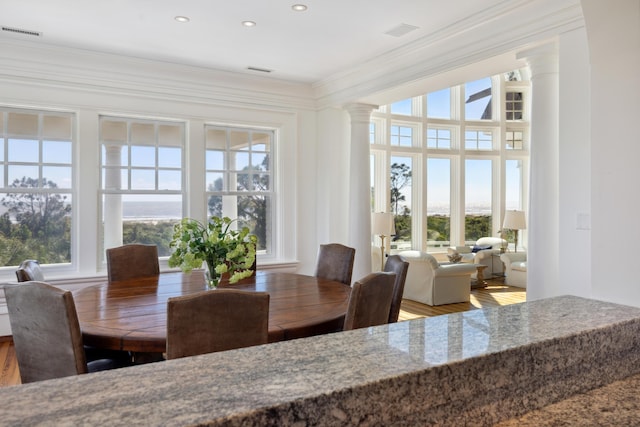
[[496, 294]]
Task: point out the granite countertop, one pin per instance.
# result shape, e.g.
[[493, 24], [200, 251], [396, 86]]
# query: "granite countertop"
[[474, 368], [616, 404]]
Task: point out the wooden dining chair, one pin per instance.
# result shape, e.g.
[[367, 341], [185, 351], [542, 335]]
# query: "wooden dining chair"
[[132, 261], [29, 270], [46, 333], [216, 320], [396, 264], [335, 262], [370, 301]]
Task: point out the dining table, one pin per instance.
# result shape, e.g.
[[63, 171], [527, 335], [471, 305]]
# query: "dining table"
[[131, 315]]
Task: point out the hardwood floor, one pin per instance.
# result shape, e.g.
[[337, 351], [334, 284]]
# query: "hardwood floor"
[[496, 294], [9, 374]]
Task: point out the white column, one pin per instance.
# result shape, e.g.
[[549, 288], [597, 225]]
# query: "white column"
[[543, 257], [112, 202], [360, 189]]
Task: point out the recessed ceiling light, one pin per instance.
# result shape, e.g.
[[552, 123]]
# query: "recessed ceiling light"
[[249, 23], [299, 7], [182, 18]]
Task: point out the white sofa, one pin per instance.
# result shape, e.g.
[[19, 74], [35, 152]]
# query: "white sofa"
[[515, 266], [432, 283], [484, 256]]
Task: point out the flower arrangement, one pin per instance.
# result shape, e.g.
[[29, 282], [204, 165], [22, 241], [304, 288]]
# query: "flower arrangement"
[[223, 249]]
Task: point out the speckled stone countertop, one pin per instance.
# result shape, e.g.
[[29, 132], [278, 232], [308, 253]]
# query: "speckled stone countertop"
[[475, 368]]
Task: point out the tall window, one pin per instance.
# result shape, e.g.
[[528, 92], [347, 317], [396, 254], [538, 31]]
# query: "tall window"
[[469, 161], [36, 181], [401, 184], [478, 190], [239, 179], [141, 180], [438, 202]]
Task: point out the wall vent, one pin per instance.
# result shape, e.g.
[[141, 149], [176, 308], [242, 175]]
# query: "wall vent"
[[262, 70], [21, 31]]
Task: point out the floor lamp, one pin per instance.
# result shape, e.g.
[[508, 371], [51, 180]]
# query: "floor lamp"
[[514, 220], [382, 225]]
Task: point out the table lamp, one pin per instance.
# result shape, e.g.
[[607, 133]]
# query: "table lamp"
[[514, 220], [382, 224]]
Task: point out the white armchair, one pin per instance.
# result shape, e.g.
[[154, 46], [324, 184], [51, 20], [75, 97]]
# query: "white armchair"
[[491, 247], [432, 283], [515, 266]]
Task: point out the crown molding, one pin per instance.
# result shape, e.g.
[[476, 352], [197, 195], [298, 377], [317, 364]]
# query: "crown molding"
[[492, 36], [501, 31], [62, 67]]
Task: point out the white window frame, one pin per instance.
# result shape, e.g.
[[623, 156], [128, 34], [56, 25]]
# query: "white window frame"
[[71, 191], [109, 229], [383, 150]]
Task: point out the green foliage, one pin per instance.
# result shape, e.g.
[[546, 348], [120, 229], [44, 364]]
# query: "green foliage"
[[157, 233], [36, 224], [439, 228], [223, 249], [403, 227], [477, 226], [252, 209]]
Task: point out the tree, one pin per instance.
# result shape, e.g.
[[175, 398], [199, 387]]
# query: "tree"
[[252, 208], [36, 224], [400, 178]]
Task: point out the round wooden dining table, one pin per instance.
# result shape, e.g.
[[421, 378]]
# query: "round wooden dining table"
[[131, 315]]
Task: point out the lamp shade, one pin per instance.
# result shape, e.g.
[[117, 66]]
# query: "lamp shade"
[[382, 224], [514, 220]]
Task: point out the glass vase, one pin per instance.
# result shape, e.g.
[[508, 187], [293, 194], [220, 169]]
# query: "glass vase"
[[211, 278]]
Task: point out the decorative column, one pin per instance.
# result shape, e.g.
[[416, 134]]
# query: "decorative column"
[[543, 257], [112, 206], [359, 215]]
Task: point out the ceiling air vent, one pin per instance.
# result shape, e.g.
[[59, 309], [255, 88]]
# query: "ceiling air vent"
[[401, 30], [21, 31], [262, 70]]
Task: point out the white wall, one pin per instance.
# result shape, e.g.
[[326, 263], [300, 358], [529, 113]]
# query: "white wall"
[[613, 31], [575, 167], [331, 193]]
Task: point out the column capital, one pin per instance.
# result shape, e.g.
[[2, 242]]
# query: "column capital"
[[360, 113], [541, 59]]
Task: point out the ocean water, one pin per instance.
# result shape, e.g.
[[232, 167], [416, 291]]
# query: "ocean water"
[[151, 210]]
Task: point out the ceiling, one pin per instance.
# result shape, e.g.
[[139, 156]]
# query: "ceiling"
[[331, 36]]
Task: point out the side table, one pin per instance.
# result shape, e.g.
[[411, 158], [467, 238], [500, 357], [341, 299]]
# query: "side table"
[[480, 282], [497, 266]]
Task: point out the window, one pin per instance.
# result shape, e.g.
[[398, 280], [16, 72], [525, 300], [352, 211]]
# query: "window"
[[514, 106], [461, 179], [438, 203], [403, 107], [513, 140], [478, 191], [239, 179], [36, 177], [401, 135], [478, 103], [478, 140], [141, 180], [439, 104], [438, 138], [400, 196]]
